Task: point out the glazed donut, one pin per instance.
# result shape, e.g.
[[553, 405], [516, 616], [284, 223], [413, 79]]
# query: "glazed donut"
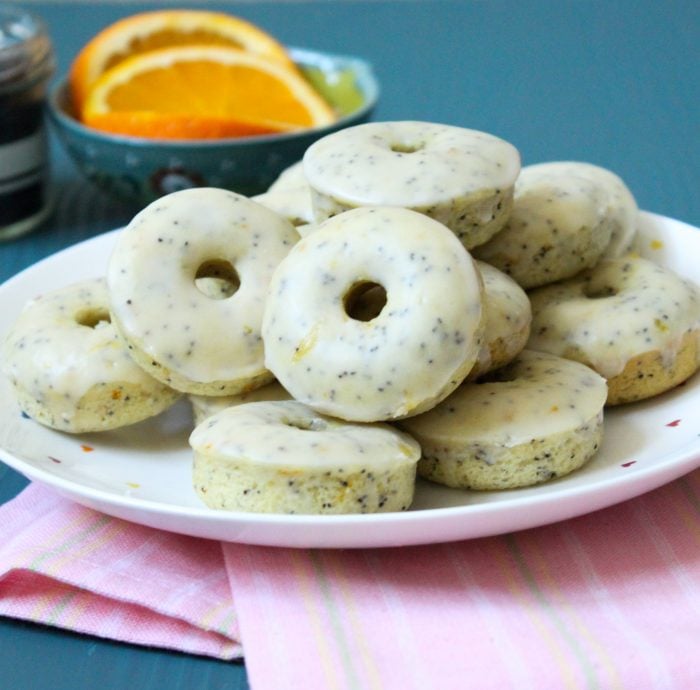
[[292, 177], [69, 369], [507, 318], [293, 203], [404, 359], [204, 406], [621, 207], [283, 457], [558, 227], [506, 315], [634, 322], [183, 334], [290, 196], [460, 177], [537, 418]]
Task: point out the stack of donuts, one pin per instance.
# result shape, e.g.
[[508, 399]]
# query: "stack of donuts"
[[404, 301]]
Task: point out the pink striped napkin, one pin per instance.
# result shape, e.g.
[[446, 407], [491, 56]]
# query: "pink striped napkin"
[[68, 566], [608, 600]]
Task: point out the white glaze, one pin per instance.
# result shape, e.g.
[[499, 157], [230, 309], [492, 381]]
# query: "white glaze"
[[540, 395], [63, 345], [624, 308], [417, 350], [460, 177], [410, 164], [204, 406], [621, 209], [507, 315], [292, 203], [194, 339], [558, 227], [292, 177], [283, 457], [292, 436]]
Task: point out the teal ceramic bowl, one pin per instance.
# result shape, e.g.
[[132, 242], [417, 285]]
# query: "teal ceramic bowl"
[[142, 170]]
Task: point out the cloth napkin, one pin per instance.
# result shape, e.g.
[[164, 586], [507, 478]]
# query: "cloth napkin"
[[72, 567], [607, 600]]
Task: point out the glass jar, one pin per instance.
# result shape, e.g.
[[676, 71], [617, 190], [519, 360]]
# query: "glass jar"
[[26, 63]]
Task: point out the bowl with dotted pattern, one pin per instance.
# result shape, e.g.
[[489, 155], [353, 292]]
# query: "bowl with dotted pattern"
[[141, 170]]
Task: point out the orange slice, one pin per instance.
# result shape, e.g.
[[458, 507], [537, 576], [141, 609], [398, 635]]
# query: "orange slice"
[[148, 31], [202, 92]]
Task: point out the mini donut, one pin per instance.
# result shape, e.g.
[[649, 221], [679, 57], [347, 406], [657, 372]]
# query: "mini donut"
[[537, 418], [621, 208], [204, 406], [292, 177], [290, 196], [282, 457], [507, 318], [558, 227], [69, 369], [634, 322], [189, 336], [293, 203], [397, 362], [460, 177]]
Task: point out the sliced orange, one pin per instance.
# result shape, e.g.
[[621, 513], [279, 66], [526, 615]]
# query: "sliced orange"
[[202, 92], [148, 31]]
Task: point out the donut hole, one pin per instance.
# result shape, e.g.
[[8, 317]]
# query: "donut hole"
[[506, 374], [314, 424], [364, 301], [599, 291], [217, 279], [403, 147], [92, 317]]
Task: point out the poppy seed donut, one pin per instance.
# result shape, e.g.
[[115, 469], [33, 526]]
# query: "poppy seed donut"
[[558, 227], [292, 204], [290, 196], [204, 406], [537, 418], [292, 177], [70, 370], [507, 318], [202, 339], [462, 178], [282, 457], [383, 366], [621, 209], [634, 322]]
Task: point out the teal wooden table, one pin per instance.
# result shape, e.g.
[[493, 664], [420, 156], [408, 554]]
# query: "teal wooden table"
[[613, 83]]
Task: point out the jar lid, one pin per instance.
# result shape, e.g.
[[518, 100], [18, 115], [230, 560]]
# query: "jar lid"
[[26, 55]]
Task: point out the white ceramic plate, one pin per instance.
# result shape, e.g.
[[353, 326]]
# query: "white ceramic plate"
[[142, 473]]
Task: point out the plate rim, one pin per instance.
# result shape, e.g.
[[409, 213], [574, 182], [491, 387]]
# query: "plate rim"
[[642, 479]]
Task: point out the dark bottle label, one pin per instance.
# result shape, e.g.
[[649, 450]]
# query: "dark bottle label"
[[22, 162]]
